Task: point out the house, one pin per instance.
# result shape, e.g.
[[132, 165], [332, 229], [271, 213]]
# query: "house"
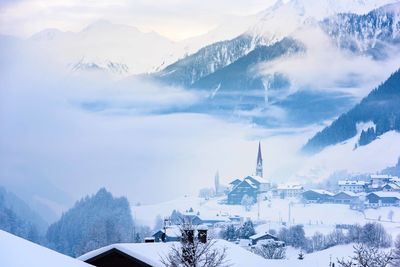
[[254, 239], [151, 255], [345, 197], [197, 219], [289, 190], [16, 251], [168, 234], [378, 180], [391, 187], [383, 199], [355, 186], [317, 196], [245, 187], [234, 183]]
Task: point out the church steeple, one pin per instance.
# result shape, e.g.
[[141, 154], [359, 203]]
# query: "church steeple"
[[259, 168]]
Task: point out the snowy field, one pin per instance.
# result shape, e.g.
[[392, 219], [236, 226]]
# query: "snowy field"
[[314, 217]]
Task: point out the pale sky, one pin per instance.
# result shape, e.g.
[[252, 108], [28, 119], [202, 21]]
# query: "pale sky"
[[175, 19]]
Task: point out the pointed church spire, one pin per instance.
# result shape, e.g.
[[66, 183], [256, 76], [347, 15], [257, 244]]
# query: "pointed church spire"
[[259, 168]]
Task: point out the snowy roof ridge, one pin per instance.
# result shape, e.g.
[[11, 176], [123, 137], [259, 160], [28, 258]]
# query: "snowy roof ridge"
[[351, 182], [16, 251], [150, 252]]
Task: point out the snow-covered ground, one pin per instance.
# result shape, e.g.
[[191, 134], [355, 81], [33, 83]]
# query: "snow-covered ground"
[[314, 217]]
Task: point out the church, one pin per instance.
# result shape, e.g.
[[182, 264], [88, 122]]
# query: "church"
[[251, 186]]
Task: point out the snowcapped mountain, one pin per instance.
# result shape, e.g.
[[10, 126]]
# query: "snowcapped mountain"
[[285, 17], [119, 49], [323, 30], [376, 33], [111, 67], [207, 60]]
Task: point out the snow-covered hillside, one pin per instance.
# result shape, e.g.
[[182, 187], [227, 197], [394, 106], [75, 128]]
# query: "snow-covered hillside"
[[371, 158], [314, 217]]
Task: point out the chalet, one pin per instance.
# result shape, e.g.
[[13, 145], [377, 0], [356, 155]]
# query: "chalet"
[[378, 180], [236, 195], [352, 186], [197, 219], [168, 234], [289, 190], [234, 183], [151, 255], [391, 187], [345, 197], [382, 199], [317, 196], [254, 239]]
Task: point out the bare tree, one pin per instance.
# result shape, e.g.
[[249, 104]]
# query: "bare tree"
[[367, 256], [271, 250], [195, 252], [396, 252]]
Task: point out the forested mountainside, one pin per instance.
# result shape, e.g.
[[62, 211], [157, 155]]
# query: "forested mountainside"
[[381, 107], [92, 223], [375, 33]]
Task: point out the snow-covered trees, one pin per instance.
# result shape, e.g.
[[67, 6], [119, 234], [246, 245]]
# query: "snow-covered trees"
[[271, 249], [367, 256], [246, 230], [294, 236], [247, 202], [195, 251], [373, 234], [12, 223], [93, 222], [229, 232]]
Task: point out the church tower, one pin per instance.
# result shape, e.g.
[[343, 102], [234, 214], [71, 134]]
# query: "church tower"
[[259, 168]]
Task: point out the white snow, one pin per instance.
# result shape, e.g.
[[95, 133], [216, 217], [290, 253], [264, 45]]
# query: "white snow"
[[374, 157], [18, 252], [152, 253], [314, 217]]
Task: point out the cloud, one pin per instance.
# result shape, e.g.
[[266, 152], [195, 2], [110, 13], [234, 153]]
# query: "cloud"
[[131, 146], [324, 67], [175, 19]]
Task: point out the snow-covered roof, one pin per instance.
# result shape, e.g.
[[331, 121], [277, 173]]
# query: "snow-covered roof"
[[290, 187], [351, 182], [236, 181], [380, 176], [18, 252], [386, 194], [393, 185], [257, 178], [151, 253], [259, 235], [349, 193], [322, 192]]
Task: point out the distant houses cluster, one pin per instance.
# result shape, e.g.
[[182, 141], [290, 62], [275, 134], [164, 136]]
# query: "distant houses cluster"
[[379, 191]]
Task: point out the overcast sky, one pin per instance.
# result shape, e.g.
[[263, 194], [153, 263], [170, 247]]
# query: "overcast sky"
[[176, 19]]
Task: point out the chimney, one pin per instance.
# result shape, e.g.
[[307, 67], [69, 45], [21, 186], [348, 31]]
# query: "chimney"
[[202, 235]]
